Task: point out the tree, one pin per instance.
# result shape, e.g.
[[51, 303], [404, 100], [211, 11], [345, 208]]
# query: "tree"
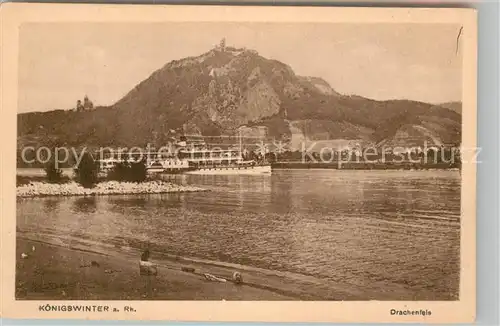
[[138, 172], [86, 172], [131, 172], [119, 172], [53, 174]]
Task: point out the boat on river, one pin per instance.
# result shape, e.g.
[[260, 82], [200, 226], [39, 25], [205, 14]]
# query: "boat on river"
[[198, 158], [192, 158]]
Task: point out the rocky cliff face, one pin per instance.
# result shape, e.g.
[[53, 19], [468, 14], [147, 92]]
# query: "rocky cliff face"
[[229, 90]]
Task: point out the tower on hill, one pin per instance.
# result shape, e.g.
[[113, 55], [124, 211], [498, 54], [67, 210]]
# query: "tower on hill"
[[222, 45]]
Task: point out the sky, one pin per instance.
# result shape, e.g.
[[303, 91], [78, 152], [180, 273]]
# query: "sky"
[[60, 63]]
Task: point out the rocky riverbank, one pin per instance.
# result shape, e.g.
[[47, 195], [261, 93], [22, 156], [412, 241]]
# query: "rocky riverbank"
[[41, 189]]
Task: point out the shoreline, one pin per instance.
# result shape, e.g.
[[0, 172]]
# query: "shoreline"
[[56, 272], [258, 283], [45, 189], [364, 166]]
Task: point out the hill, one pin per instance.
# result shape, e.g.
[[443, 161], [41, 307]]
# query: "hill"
[[228, 90], [454, 106]]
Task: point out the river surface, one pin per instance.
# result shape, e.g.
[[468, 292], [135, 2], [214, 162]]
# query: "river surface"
[[387, 235]]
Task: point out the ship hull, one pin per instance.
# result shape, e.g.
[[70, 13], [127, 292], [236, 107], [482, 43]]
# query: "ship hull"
[[253, 170]]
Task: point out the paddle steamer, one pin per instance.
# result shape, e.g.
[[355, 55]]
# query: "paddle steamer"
[[193, 158]]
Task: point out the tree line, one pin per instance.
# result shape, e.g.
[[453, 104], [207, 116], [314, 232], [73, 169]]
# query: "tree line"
[[87, 173]]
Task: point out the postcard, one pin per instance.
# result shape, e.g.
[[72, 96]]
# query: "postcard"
[[238, 163]]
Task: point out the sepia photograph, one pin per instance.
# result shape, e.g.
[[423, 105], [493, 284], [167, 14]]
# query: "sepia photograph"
[[222, 160]]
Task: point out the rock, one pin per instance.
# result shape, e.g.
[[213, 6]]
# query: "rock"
[[106, 188], [237, 278]]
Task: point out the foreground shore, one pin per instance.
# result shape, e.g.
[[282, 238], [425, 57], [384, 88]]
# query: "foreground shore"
[[57, 273], [39, 189]]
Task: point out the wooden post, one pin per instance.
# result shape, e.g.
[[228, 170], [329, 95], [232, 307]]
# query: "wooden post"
[[149, 290], [149, 271]]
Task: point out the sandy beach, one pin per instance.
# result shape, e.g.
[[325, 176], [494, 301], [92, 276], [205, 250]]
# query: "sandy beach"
[[58, 273]]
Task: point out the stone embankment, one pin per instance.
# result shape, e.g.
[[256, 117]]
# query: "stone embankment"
[[40, 189]]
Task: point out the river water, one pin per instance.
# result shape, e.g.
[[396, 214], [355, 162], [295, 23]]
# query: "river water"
[[387, 235]]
